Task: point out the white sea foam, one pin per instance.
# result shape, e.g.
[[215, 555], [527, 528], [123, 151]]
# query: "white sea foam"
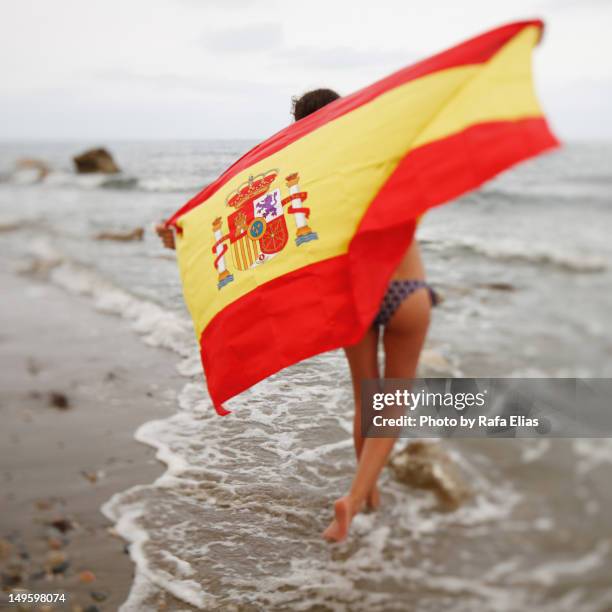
[[59, 178], [553, 572], [156, 325], [127, 525], [185, 184], [515, 249], [592, 453], [534, 449], [293, 568], [174, 184]]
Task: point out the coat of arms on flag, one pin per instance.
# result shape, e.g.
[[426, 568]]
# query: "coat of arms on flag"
[[257, 227]]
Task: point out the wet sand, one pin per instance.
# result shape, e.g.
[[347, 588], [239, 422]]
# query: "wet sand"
[[60, 463]]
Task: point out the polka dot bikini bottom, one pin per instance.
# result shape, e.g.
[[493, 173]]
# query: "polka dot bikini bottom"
[[397, 292]]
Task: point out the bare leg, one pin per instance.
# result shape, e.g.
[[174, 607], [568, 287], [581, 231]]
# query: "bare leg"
[[403, 340], [363, 363]]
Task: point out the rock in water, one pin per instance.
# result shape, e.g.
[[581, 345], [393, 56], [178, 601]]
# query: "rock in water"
[[38, 166], [95, 160], [435, 361], [498, 286], [135, 234], [425, 465]]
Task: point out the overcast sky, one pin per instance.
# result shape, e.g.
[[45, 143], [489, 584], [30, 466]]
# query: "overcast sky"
[[135, 69]]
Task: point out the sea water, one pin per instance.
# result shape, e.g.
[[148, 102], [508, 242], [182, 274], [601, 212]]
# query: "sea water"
[[525, 268]]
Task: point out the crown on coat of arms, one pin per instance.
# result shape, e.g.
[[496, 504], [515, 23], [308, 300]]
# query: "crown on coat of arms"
[[255, 187]]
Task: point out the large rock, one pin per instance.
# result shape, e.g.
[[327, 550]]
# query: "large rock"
[[425, 465], [95, 160]]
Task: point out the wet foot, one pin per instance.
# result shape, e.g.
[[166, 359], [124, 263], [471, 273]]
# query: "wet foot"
[[339, 527]]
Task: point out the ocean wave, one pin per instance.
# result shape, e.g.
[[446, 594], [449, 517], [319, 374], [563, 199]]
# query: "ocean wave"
[[122, 182], [537, 193], [514, 250], [173, 184], [156, 325]]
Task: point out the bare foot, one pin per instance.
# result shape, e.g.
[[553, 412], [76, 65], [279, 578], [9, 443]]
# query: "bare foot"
[[373, 499], [339, 527]]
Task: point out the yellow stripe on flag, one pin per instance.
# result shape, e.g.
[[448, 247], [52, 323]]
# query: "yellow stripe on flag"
[[364, 147]]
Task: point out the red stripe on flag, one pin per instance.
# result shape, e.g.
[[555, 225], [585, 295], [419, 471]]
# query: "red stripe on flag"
[[432, 175], [474, 51], [330, 304]]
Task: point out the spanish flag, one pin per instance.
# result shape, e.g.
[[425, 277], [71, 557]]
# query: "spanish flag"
[[289, 252]]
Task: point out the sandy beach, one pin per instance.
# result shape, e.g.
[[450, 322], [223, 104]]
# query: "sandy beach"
[[60, 462]]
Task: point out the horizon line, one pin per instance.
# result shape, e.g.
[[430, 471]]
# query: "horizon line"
[[116, 140]]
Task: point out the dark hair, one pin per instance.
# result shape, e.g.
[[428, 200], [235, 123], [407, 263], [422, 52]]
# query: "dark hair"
[[311, 101]]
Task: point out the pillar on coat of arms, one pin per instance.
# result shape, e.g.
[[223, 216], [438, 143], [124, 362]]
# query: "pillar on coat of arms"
[[225, 276], [303, 233]]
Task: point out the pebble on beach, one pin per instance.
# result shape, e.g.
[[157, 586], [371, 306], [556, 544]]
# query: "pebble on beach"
[[91, 476], [6, 549], [59, 400], [44, 504], [55, 543], [98, 596], [12, 576], [61, 524], [57, 562], [86, 576]]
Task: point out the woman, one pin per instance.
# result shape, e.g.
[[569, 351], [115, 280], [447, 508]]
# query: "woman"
[[402, 322]]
